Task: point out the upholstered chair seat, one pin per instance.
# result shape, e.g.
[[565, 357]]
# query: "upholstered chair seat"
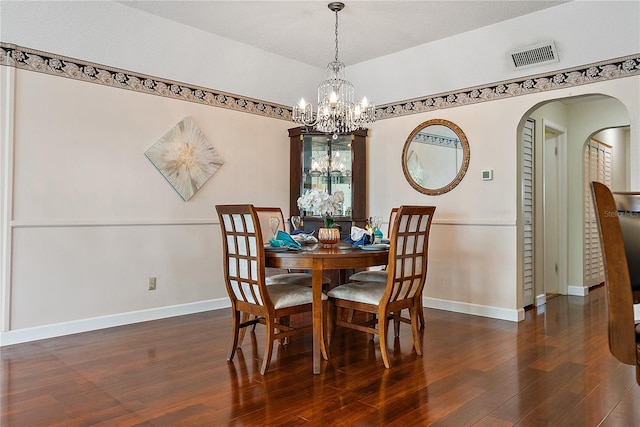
[[286, 295], [300, 279], [370, 276], [364, 292]]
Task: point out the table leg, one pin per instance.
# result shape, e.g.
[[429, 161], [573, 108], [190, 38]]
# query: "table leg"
[[318, 322]]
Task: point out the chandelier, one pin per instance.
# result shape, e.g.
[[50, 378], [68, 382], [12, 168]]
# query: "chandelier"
[[337, 111]]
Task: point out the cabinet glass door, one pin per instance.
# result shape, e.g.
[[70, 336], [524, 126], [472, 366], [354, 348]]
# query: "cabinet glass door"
[[327, 165]]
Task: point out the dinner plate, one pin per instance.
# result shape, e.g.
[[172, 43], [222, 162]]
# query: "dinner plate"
[[276, 248], [374, 247]]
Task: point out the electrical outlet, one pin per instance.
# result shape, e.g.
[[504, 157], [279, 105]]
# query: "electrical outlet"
[[152, 283]]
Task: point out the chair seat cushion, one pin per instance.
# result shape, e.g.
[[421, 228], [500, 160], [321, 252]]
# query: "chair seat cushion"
[[287, 295], [365, 292], [370, 276], [303, 279]]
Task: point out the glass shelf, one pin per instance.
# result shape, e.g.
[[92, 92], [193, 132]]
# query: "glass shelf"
[[326, 165], [319, 161]]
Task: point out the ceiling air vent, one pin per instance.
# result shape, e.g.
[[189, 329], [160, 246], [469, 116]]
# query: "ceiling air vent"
[[541, 53]]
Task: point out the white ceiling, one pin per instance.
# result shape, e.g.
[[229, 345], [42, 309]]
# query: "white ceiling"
[[304, 30]]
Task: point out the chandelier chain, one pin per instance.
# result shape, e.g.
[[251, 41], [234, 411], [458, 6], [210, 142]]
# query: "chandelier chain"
[[336, 36]]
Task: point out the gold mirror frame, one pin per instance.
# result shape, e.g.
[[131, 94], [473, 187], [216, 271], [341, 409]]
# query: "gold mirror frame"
[[463, 167]]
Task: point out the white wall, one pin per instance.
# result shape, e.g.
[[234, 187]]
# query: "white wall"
[[617, 138], [473, 264], [93, 218]]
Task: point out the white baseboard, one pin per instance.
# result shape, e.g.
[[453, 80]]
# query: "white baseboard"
[[541, 300], [95, 323], [580, 291], [513, 315], [84, 325]]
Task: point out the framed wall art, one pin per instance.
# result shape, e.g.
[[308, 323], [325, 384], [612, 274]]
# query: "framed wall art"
[[185, 158]]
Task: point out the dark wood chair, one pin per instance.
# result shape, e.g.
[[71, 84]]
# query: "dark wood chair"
[[628, 205], [244, 273], [407, 272], [624, 334], [381, 275]]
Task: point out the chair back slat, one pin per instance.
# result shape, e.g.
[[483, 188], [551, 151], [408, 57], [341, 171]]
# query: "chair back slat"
[[392, 219], [622, 339], [408, 253], [243, 253]]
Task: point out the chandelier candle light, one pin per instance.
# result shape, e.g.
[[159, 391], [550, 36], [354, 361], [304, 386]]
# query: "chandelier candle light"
[[337, 111]]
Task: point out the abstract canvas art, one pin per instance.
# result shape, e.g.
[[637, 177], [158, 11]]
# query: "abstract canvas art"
[[185, 158]]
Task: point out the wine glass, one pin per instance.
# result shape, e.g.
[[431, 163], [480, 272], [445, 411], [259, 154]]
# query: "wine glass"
[[274, 222], [377, 233], [295, 222]]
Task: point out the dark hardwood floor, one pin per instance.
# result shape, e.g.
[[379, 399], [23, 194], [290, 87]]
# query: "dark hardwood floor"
[[553, 369]]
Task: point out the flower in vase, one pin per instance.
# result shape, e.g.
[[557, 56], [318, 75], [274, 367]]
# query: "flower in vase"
[[320, 202]]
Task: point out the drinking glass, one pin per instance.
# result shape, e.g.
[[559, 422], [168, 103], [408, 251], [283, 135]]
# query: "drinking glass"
[[274, 222], [377, 233], [377, 222], [295, 222]]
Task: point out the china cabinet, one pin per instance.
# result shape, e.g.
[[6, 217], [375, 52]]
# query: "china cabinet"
[[319, 161]]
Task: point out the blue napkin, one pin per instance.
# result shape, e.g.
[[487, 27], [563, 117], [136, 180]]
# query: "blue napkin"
[[295, 232], [284, 239], [364, 240]]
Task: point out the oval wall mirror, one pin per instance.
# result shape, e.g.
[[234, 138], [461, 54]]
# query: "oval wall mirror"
[[435, 157]]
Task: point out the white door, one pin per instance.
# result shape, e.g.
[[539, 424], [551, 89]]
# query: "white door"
[[551, 211]]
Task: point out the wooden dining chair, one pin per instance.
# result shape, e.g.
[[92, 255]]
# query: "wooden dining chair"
[[244, 273], [624, 334], [281, 275], [628, 205], [407, 272], [381, 275]]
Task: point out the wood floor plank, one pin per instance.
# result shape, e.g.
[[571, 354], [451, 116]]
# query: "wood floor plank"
[[553, 368]]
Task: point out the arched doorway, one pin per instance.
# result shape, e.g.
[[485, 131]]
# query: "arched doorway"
[[552, 256]]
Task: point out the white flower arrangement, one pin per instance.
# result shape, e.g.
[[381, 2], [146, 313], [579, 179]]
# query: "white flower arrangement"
[[321, 202]]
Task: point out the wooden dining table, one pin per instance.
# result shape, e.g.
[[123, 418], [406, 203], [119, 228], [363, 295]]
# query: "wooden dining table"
[[318, 259]]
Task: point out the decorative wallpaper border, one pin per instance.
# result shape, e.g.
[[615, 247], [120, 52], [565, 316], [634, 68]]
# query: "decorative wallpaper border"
[[48, 63], [586, 74]]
